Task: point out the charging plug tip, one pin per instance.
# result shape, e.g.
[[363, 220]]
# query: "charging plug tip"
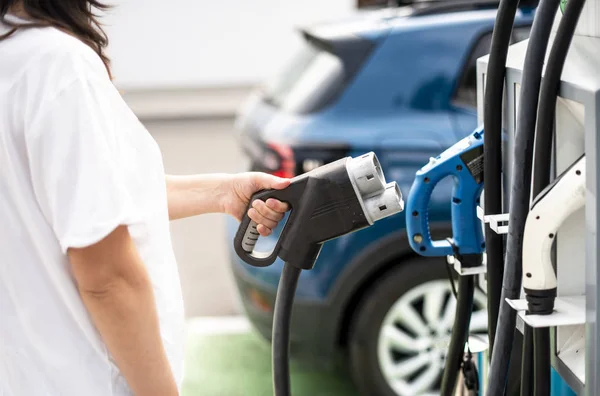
[[386, 204], [366, 174]]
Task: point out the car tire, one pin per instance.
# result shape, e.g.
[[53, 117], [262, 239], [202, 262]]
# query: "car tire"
[[365, 334]]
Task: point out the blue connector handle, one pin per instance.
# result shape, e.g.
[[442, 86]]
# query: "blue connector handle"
[[463, 162]]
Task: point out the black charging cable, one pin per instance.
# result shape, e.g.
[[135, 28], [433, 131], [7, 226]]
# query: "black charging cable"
[[282, 319], [542, 164], [549, 93], [492, 152], [460, 334], [541, 361], [462, 319], [527, 361], [519, 198], [526, 122]]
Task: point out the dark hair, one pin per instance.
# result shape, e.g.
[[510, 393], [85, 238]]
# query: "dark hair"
[[75, 17]]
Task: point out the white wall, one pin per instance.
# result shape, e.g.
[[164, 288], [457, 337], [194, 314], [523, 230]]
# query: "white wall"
[[157, 44]]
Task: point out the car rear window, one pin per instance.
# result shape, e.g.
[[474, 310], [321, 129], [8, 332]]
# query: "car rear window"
[[308, 81], [466, 93]]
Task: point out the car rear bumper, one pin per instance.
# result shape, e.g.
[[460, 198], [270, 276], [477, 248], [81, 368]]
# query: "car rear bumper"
[[313, 336]]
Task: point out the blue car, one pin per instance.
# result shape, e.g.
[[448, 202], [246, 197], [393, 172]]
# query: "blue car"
[[400, 82]]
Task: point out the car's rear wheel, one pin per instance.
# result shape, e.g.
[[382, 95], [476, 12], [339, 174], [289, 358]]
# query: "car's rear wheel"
[[401, 329]]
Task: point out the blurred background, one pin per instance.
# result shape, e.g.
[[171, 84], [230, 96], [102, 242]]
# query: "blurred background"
[[282, 87]]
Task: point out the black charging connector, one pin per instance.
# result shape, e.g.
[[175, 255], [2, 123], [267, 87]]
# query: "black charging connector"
[[330, 201]]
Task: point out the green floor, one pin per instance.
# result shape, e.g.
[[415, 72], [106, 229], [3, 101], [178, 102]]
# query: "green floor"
[[239, 365]]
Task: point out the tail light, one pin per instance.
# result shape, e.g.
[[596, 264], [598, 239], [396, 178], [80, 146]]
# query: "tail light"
[[280, 160], [259, 300]]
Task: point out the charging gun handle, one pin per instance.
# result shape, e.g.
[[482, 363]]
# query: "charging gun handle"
[[549, 210], [463, 162], [247, 235], [466, 226], [417, 218]]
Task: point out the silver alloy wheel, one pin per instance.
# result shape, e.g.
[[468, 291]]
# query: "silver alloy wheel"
[[415, 334]]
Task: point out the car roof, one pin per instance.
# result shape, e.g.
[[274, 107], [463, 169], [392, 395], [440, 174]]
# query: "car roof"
[[372, 24], [436, 20]]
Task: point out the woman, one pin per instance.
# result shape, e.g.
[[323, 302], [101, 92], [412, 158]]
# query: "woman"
[[90, 300]]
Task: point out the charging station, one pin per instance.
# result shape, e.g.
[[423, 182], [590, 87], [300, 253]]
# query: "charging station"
[[573, 324]]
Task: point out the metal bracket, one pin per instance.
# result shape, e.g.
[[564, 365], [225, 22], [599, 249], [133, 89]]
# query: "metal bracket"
[[465, 271], [498, 223], [568, 311]]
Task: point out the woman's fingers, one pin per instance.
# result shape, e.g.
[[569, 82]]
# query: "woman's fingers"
[[267, 214], [263, 230], [261, 219], [266, 211], [277, 205]]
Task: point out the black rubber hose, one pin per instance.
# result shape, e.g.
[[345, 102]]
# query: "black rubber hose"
[[520, 191], [460, 334], [541, 361], [513, 382], [527, 359], [549, 92], [281, 329], [492, 152], [542, 165]]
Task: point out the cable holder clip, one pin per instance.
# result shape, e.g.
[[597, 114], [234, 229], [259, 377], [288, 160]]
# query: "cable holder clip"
[[498, 223], [461, 263], [568, 311]]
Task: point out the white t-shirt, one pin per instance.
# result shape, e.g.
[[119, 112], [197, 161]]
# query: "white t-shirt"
[[75, 163]]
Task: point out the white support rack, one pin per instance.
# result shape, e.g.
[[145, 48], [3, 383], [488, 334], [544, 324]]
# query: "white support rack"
[[498, 223], [568, 311], [465, 271]]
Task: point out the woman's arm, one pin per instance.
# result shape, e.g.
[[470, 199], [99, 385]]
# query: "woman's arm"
[[226, 193], [195, 194], [116, 290]]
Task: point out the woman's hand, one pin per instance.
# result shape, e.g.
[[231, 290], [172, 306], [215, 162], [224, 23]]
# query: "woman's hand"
[[239, 191]]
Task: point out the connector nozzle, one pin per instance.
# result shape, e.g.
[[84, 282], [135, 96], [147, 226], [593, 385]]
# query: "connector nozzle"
[[385, 204], [367, 174]]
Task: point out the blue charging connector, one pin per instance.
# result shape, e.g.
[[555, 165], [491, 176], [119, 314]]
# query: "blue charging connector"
[[464, 162]]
